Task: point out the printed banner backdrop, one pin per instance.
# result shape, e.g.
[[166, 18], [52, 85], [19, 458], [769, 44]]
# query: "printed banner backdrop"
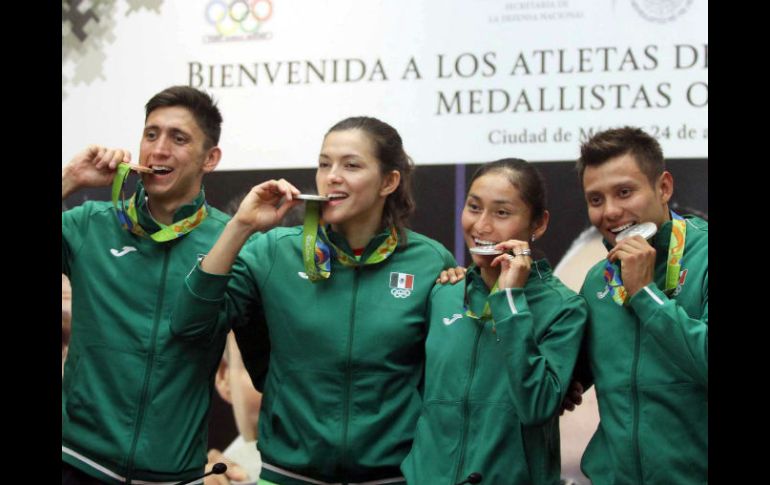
[[462, 81]]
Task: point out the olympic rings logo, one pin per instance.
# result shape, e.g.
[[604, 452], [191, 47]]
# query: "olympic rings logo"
[[243, 16], [400, 292]]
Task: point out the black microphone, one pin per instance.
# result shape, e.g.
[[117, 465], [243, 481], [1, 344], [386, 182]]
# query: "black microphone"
[[474, 477], [217, 469]]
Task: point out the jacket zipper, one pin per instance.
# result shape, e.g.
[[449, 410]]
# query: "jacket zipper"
[[635, 396], [466, 405], [348, 375], [148, 369]]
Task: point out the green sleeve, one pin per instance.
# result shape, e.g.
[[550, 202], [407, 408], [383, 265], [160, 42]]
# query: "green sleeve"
[[74, 225], [210, 304], [448, 261], [685, 339], [538, 370], [582, 372], [201, 307]]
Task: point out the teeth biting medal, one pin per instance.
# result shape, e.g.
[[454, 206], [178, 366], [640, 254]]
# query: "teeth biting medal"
[[645, 229], [322, 198], [485, 250]]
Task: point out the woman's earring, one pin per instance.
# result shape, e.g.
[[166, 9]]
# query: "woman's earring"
[[533, 238]]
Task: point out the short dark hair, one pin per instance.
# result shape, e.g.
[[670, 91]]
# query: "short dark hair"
[[201, 105], [389, 150], [617, 142], [525, 177]]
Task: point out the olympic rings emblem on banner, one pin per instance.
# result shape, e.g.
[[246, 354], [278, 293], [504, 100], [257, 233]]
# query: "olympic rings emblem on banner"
[[245, 16]]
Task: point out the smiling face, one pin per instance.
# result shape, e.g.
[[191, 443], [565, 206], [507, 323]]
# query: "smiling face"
[[347, 166], [619, 195], [494, 212], [173, 142]]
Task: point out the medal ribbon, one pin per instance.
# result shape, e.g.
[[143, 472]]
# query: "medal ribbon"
[[614, 284], [317, 248], [315, 252], [486, 313], [129, 220], [675, 251], [673, 263]]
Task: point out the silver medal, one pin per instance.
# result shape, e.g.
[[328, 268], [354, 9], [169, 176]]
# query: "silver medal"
[[321, 198], [485, 250], [645, 229]]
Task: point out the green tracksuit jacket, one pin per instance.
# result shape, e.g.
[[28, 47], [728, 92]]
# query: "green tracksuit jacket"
[[346, 354], [135, 401], [493, 391], [649, 362]]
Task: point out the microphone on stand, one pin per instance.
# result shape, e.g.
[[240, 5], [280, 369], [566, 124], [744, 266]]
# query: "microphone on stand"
[[217, 469], [474, 477]]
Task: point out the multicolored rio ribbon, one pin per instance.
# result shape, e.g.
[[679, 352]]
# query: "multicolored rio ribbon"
[[673, 264], [316, 252], [486, 313], [128, 218]]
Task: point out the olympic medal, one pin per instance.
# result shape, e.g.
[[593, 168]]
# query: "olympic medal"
[[321, 198], [485, 250], [645, 229]]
